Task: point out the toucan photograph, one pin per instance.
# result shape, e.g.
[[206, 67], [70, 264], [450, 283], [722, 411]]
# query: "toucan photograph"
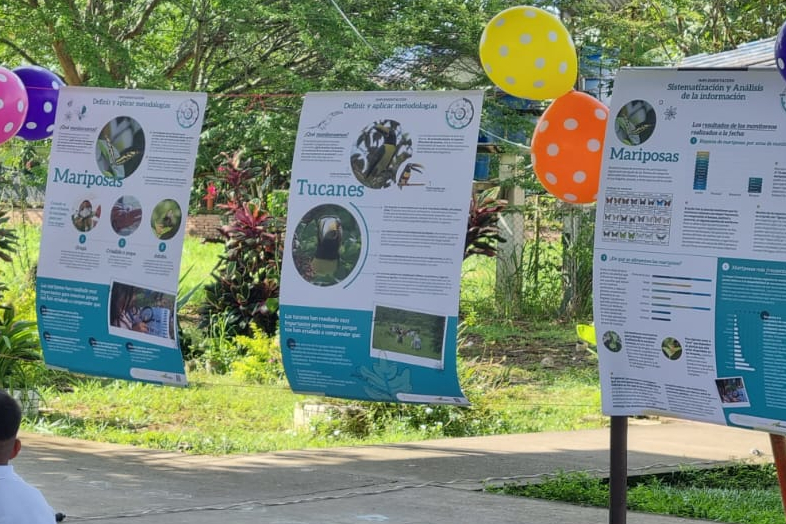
[[381, 148], [326, 245]]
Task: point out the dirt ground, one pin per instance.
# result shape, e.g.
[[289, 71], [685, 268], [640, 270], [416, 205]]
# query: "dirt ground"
[[530, 350]]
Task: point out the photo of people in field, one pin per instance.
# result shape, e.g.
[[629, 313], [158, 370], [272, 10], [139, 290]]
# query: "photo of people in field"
[[408, 336]]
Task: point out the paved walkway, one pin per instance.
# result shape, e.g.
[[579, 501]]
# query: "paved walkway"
[[434, 482]]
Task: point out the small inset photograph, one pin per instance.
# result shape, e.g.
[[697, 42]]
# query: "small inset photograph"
[[120, 147], [126, 215], [612, 341], [85, 214], [635, 122], [326, 245], [379, 151], [166, 218], [135, 310], [671, 347], [410, 336], [732, 391], [411, 175]]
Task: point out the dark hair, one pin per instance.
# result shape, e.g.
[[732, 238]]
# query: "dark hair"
[[10, 416]]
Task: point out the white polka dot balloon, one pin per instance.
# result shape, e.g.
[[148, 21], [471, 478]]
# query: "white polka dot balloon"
[[43, 88], [567, 146], [13, 104], [780, 51], [528, 53]]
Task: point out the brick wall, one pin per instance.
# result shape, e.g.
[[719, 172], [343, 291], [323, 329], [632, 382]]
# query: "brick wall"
[[203, 226]]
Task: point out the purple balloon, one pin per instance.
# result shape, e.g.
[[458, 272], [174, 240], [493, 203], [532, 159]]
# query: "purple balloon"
[[43, 87], [780, 51]]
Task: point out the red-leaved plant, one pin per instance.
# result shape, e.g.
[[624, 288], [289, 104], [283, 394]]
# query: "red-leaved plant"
[[246, 279], [483, 226]]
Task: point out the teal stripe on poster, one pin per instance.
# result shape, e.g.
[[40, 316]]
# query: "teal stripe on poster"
[[388, 355], [78, 334]]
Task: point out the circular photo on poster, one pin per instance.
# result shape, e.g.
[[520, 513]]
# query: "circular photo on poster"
[[671, 347], [85, 214], [635, 122], [120, 147], [166, 219], [326, 245], [126, 215], [612, 341], [379, 151]]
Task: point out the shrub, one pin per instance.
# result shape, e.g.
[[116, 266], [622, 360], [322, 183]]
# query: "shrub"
[[246, 279], [432, 421], [217, 349], [8, 242], [262, 361], [19, 350]]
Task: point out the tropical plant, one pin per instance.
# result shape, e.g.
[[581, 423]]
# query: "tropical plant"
[[8, 238], [8, 241], [19, 348], [482, 226], [246, 279]]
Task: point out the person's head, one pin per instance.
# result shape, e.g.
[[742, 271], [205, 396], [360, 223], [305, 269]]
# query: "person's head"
[[10, 418]]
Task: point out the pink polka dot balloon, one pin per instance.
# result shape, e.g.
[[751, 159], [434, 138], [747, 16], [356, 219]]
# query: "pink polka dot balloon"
[[13, 104], [567, 147], [43, 88]]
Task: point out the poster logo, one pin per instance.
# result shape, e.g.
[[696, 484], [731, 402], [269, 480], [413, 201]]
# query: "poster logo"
[[460, 113], [188, 113]]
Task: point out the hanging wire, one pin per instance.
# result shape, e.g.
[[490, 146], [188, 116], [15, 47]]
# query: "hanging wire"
[[354, 29], [412, 82]]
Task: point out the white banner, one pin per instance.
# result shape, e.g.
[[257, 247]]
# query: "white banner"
[[689, 271], [117, 194]]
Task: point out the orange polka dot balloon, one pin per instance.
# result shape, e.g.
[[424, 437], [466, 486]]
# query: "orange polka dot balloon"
[[567, 146]]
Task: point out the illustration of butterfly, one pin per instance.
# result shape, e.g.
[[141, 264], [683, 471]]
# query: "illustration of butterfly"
[[114, 159]]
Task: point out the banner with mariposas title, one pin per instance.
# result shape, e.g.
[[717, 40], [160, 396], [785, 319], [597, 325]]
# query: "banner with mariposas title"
[[377, 219], [116, 203], [690, 247]]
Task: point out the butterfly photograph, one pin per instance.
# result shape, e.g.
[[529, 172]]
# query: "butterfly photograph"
[[635, 122], [120, 147], [166, 218]]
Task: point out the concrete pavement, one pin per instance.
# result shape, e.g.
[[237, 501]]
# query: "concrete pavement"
[[434, 482]]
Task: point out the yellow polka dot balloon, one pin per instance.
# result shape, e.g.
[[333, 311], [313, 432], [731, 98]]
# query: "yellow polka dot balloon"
[[528, 53]]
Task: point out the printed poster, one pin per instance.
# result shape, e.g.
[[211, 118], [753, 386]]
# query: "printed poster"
[[690, 247], [378, 207], [118, 186]]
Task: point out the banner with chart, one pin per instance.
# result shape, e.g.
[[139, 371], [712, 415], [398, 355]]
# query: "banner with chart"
[[690, 247], [117, 193], [377, 217]]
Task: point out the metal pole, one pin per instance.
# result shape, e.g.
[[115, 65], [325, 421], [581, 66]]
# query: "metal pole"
[[618, 471], [778, 444]]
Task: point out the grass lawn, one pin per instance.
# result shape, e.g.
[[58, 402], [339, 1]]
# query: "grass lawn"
[[739, 493], [521, 376]]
